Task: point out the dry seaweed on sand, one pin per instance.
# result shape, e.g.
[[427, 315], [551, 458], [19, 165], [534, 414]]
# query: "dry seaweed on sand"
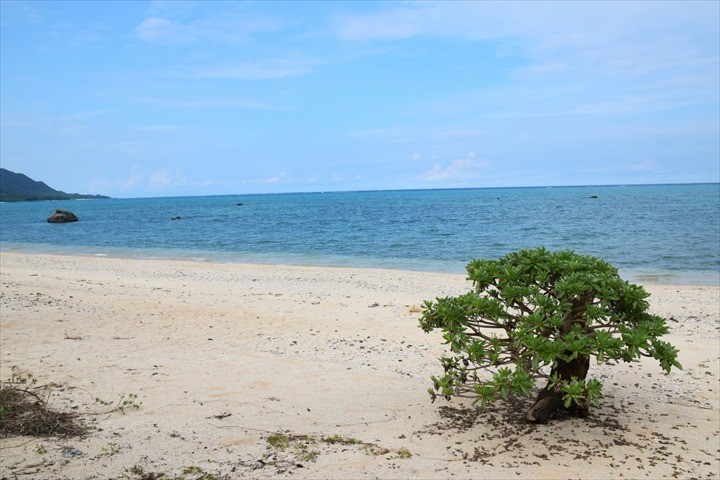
[[24, 411]]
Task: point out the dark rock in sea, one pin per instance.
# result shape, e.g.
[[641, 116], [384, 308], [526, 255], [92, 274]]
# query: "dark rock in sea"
[[176, 218], [62, 216]]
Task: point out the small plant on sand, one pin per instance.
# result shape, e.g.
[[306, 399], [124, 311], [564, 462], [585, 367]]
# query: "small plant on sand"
[[300, 445], [540, 315], [126, 401], [137, 470], [109, 450], [337, 439], [279, 441], [197, 473], [401, 454], [188, 473], [24, 410]]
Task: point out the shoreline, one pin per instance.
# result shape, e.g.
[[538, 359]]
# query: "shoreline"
[[325, 192], [640, 276], [224, 356]]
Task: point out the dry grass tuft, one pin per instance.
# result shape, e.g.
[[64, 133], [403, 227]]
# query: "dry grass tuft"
[[24, 411]]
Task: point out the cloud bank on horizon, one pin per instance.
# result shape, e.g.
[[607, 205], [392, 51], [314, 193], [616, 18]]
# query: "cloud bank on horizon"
[[198, 98]]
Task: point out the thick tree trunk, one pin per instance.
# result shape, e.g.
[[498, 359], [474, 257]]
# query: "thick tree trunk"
[[550, 400]]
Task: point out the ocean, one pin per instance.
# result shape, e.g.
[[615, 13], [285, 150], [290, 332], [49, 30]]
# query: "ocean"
[[651, 233]]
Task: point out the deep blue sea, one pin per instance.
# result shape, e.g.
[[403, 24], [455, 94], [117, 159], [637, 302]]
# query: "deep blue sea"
[[652, 233]]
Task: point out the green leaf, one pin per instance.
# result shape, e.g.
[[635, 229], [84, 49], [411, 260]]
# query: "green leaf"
[[593, 392]]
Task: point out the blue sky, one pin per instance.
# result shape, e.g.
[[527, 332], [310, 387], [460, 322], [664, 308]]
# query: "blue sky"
[[134, 99]]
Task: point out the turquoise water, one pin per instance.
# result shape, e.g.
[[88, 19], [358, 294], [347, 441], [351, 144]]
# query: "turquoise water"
[[656, 234]]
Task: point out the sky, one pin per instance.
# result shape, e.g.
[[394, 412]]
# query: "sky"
[[169, 98]]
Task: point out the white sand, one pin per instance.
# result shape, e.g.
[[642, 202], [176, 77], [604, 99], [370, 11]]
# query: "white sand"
[[224, 355]]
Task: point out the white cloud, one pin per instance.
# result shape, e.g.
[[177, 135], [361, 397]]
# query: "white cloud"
[[161, 180], [282, 177], [156, 29], [228, 25], [466, 20], [604, 38], [164, 179], [275, 179], [459, 170], [134, 180], [211, 182]]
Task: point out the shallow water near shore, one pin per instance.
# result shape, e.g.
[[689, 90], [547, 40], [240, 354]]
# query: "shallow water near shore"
[[653, 234]]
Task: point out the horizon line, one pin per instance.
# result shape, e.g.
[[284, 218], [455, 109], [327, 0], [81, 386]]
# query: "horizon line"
[[309, 192]]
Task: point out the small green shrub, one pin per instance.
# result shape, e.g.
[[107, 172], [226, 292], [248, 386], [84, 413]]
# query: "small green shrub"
[[279, 441], [540, 315]]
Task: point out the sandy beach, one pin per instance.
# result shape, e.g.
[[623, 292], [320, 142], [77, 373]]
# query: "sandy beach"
[[253, 371]]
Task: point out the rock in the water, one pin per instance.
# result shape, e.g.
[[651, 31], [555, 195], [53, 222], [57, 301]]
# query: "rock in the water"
[[62, 216]]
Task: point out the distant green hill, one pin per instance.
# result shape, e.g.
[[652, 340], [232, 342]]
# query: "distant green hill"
[[16, 187]]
